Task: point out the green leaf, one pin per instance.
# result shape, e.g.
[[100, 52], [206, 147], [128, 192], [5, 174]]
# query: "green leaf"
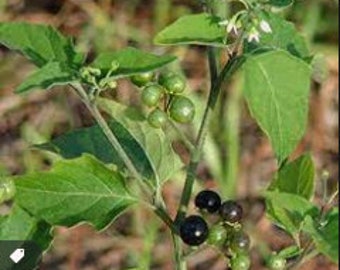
[[52, 74], [296, 177], [289, 252], [74, 191], [92, 140], [201, 29], [130, 61], [277, 91], [284, 36], [20, 225], [40, 43], [280, 3], [326, 237], [288, 211], [164, 161]]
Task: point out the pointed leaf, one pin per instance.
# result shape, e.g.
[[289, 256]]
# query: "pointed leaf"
[[296, 177], [165, 162], [277, 91], [326, 237], [130, 61], [74, 191], [201, 29], [288, 210], [284, 36], [40, 43], [92, 140], [50, 75]]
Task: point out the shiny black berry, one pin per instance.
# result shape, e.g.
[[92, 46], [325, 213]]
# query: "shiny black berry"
[[240, 242], [231, 211], [194, 230], [208, 200]]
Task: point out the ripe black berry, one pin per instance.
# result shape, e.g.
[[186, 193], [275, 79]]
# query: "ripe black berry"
[[208, 200], [231, 211], [194, 230]]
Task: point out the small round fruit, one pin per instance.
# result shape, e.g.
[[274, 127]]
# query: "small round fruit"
[[231, 211], [208, 200], [217, 235], [174, 84], [182, 110], [240, 242], [240, 262], [157, 118], [164, 76], [142, 79], [277, 262], [152, 94], [194, 230]]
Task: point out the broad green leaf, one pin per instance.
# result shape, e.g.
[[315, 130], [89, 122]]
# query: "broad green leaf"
[[92, 140], [296, 177], [283, 36], [326, 237], [288, 210], [40, 43], [201, 29], [74, 191], [280, 3], [277, 92], [52, 74], [165, 162], [130, 61], [20, 225]]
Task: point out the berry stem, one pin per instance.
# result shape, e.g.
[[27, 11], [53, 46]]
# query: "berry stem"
[[230, 67]]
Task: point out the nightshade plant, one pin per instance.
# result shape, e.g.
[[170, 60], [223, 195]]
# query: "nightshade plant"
[[93, 181]]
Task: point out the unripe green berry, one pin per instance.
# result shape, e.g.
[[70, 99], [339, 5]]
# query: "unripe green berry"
[[217, 235], [277, 262], [182, 110], [157, 118], [174, 84], [240, 242], [240, 262], [152, 94], [142, 79], [164, 76]]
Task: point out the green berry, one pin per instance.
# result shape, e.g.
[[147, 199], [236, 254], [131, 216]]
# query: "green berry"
[[240, 262], [277, 262], [164, 76], [174, 84], [182, 110], [240, 242], [142, 79], [217, 235], [157, 118], [152, 94]]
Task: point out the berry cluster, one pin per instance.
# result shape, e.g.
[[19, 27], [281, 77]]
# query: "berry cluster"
[[226, 234], [167, 90]]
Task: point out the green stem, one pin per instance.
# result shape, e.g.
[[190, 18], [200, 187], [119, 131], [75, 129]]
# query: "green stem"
[[180, 263], [232, 64], [92, 107]]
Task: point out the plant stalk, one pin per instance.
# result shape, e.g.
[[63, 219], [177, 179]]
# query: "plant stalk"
[[233, 63], [92, 107]]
